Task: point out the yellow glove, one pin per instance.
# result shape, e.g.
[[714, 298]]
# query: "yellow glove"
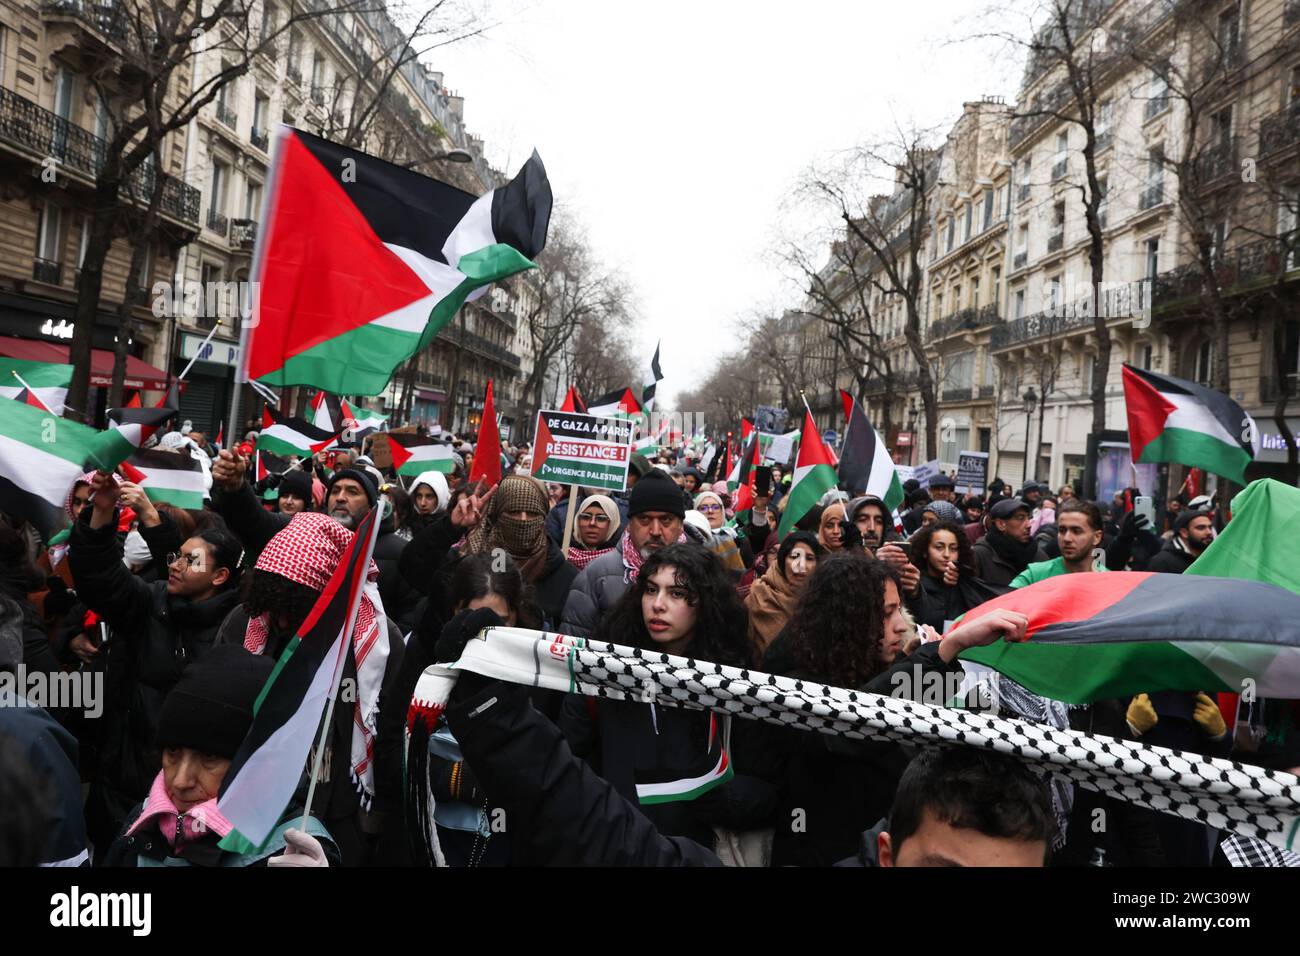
[[1141, 715], [1208, 715]]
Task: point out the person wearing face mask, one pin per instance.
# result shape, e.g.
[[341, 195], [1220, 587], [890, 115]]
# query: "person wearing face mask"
[[203, 721], [514, 520], [155, 630], [682, 603], [772, 599]]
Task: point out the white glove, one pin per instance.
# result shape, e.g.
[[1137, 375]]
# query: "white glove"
[[303, 850]]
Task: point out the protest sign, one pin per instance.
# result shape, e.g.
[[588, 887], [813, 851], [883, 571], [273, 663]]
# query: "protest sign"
[[587, 450], [972, 472]]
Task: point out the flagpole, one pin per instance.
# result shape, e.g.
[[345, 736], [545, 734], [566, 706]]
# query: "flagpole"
[[211, 332], [348, 628], [31, 391]]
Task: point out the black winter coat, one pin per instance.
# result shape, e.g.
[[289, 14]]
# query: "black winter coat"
[[561, 812], [1171, 558], [153, 637]]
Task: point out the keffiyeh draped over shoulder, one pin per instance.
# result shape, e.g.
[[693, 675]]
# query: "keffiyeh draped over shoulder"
[[306, 551]]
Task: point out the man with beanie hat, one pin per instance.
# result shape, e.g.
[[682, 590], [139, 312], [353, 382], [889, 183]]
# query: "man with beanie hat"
[[350, 493], [1193, 532], [203, 721], [656, 513]]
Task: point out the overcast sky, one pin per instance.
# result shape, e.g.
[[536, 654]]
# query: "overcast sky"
[[675, 131]]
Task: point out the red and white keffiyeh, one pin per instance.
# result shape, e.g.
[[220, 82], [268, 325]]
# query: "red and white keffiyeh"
[[306, 551]]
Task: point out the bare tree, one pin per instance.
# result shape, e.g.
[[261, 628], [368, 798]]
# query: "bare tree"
[[891, 229]]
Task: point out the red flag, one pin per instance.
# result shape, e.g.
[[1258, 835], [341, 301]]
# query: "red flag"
[[745, 493], [573, 402], [487, 452], [135, 401], [746, 426]]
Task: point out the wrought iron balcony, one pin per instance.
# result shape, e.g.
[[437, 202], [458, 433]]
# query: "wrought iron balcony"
[[218, 223], [962, 321], [1019, 260], [259, 138], [46, 270], [478, 344], [1241, 265], [961, 393], [985, 391], [226, 115], [39, 132], [1152, 196], [1217, 160], [1280, 130], [1039, 325], [243, 232], [1055, 242], [112, 20]]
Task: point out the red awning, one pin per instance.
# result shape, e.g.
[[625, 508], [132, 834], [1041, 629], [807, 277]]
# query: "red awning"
[[139, 374]]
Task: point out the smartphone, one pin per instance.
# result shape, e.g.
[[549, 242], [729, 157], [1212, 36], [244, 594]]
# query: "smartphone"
[[1143, 505], [763, 481]]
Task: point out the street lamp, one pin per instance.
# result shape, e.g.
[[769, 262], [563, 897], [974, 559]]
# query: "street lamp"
[[1030, 397], [456, 155], [911, 431]]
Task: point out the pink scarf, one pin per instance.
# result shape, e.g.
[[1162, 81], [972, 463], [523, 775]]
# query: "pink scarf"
[[632, 559], [196, 821], [580, 558]]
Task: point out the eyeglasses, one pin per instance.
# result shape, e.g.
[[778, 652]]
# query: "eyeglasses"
[[706, 509], [594, 519], [192, 559]]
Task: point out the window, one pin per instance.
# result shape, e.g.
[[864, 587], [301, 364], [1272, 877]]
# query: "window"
[[975, 292], [961, 369], [1293, 87], [1229, 33], [63, 83], [988, 208], [295, 52], [4, 39], [317, 78], [217, 198], [1085, 371], [1103, 201], [1158, 91], [268, 23], [48, 233], [1060, 160], [954, 444], [1056, 240], [1153, 259], [1218, 240], [1018, 310], [1288, 216], [1105, 117], [146, 267], [1145, 356], [1204, 374], [261, 106], [211, 277], [1022, 178], [253, 200], [970, 216], [84, 241], [951, 234], [1153, 193], [996, 298], [1054, 299]]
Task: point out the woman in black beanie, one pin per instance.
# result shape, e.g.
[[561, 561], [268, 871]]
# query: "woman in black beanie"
[[202, 723]]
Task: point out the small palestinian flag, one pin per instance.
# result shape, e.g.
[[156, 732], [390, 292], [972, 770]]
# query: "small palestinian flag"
[[29, 397], [620, 403], [487, 451], [1095, 636], [814, 475], [285, 435], [360, 262], [40, 459], [744, 475], [174, 477], [573, 402], [287, 715], [865, 467], [711, 771], [269, 464], [1172, 419], [135, 426], [48, 381], [415, 454], [653, 378]]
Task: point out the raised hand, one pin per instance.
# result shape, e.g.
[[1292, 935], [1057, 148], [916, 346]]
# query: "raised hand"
[[470, 509]]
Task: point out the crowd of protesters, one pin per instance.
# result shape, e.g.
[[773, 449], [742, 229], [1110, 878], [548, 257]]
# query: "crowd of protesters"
[[182, 614]]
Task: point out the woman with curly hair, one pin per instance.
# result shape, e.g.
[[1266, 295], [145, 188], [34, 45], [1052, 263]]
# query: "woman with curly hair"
[[947, 562], [682, 603]]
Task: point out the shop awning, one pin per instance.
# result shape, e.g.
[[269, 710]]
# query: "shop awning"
[[430, 395], [139, 374]]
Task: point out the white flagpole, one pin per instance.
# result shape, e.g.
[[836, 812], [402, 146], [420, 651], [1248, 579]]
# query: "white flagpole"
[[23, 381], [212, 332]]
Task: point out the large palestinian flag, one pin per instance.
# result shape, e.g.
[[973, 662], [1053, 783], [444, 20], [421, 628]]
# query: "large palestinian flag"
[[866, 467], [415, 454], [814, 475], [287, 715], [40, 458], [619, 403], [49, 382], [360, 262], [1172, 419], [287, 435], [1094, 636]]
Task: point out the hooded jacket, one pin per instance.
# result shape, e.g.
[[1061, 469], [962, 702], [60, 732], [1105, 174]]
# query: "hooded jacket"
[[1172, 558]]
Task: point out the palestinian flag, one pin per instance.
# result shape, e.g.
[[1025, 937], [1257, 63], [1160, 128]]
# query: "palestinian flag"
[[29, 397], [337, 416], [1094, 636], [40, 459], [814, 475], [173, 477], [415, 454], [741, 481], [49, 382], [1172, 419], [653, 378], [359, 262], [285, 435], [865, 466], [709, 772], [287, 715], [135, 426], [573, 402], [367, 420], [487, 451], [269, 464], [620, 403]]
